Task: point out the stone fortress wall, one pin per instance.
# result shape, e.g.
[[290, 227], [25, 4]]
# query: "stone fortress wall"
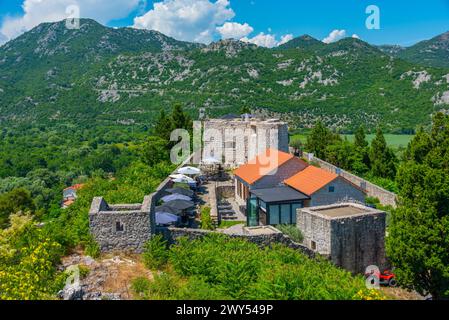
[[237, 141]]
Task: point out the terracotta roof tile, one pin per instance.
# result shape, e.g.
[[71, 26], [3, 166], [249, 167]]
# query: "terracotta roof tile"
[[262, 165], [310, 180]]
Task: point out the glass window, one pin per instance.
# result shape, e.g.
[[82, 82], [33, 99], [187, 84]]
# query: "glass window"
[[295, 208], [253, 219], [274, 214], [331, 189], [285, 214]]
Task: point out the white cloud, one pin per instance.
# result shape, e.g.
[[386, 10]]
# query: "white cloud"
[[262, 40], [38, 11], [234, 30], [268, 40], [188, 20], [355, 36], [286, 38], [335, 36]]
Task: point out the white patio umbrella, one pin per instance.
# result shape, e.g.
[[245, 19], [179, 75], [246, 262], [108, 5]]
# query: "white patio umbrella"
[[180, 178], [166, 218], [190, 171], [173, 197], [211, 160]]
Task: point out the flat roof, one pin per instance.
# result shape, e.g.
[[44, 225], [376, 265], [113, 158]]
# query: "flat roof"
[[279, 194], [342, 211]]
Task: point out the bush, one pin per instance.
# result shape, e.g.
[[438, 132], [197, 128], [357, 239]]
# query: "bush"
[[155, 254], [93, 249], [141, 286], [292, 231], [219, 267], [206, 219]]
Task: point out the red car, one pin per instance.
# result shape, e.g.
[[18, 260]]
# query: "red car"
[[386, 278]]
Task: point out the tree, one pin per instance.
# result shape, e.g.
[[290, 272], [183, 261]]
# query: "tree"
[[155, 151], [319, 139], [382, 158], [360, 138], [296, 144], [180, 119], [163, 126], [17, 200], [418, 241], [245, 110]]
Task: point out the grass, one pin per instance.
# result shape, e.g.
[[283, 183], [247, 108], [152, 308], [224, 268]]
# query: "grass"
[[228, 224], [395, 141]]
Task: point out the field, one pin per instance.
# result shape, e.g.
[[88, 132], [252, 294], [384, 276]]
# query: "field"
[[395, 141]]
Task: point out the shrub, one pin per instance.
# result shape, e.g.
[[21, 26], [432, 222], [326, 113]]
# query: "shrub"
[[141, 286], [92, 249], [292, 231], [156, 252], [206, 219]]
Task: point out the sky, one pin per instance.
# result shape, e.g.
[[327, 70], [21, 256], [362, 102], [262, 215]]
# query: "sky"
[[263, 22]]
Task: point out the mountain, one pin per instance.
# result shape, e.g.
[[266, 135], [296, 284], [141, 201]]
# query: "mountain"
[[125, 76], [302, 42], [431, 53]]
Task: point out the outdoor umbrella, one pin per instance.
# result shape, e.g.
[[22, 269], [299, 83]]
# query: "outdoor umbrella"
[[190, 171], [166, 218], [184, 192], [180, 178], [211, 160], [179, 204], [164, 209], [173, 197]]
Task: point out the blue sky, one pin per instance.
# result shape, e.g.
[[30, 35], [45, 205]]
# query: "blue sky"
[[402, 22]]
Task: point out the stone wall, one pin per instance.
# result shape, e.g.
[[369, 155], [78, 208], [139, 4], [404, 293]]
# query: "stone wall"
[[121, 227], [262, 240], [137, 220], [359, 242], [353, 241], [386, 197], [237, 141]]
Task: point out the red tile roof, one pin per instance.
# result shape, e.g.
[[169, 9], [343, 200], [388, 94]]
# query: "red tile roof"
[[310, 180], [262, 165]]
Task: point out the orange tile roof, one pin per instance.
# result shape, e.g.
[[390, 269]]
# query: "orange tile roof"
[[310, 180], [68, 203], [75, 187], [262, 165]]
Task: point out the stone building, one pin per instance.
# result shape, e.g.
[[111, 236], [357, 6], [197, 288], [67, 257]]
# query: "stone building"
[[351, 235], [235, 141], [121, 227]]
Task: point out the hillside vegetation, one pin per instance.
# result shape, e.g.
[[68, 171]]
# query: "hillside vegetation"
[[124, 76]]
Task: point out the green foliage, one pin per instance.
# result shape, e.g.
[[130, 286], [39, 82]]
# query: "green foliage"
[[155, 151], [141, 286], [27, 261], [155, 254], [206, 219], [292, 231], [17, 200], [418, 238], [382, 159], [319, 139], [218, 267]]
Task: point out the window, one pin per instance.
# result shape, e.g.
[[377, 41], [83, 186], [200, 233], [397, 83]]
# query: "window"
[[285, 214], [274, 214], [295, 208], [313, 245], [331, 189], [119, 227]]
